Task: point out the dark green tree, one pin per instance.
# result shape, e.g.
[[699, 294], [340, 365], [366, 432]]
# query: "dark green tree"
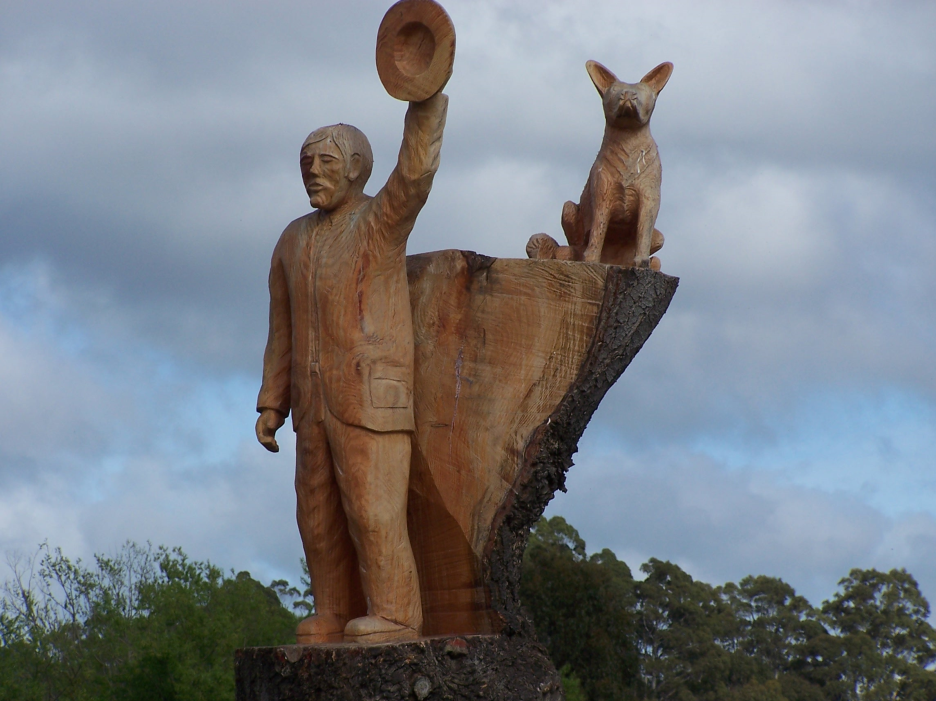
[[776, 631], [886, 646], [681, 624], [153, 624], [582, 608], [770, 619]]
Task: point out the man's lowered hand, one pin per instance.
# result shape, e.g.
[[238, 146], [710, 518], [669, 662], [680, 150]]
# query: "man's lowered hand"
[[269, 422]]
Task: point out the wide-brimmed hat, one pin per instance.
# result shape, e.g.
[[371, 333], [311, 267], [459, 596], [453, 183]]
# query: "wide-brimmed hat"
[[415, 49]]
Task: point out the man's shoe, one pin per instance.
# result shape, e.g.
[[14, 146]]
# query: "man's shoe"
[[320, 628], [368, 630]]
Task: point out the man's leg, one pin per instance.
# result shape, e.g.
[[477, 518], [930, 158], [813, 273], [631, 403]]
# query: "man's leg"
[[330, 555], [372, 470]]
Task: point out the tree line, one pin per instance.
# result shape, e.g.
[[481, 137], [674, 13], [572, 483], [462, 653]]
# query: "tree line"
[[670, 637], [150, 623]]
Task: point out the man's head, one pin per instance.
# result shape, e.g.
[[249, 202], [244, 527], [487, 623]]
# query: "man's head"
[[336, 162]]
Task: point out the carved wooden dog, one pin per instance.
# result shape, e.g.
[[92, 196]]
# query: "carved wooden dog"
[[614, 221]]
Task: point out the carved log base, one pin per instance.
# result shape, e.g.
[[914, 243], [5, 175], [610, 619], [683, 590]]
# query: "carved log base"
[[489, 667]]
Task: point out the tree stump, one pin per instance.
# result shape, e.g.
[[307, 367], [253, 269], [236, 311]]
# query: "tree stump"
[[431, 669], [512, 357]]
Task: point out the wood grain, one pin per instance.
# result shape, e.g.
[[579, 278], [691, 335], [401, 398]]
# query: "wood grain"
[[500, 345], [415, 49]]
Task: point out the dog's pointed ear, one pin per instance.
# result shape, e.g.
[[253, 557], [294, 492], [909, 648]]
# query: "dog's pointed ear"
[[658, 77], [601, 76]]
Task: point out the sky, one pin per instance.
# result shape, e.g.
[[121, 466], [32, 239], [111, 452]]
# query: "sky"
[[781, 420]]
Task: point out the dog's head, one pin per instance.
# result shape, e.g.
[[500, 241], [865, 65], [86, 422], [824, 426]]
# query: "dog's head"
[[628, 105]]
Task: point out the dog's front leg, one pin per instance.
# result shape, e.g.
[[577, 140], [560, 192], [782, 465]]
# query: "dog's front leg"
[[646, 218], [601, 217]]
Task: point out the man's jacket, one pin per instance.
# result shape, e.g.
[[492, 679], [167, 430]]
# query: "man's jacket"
[[341, 329]]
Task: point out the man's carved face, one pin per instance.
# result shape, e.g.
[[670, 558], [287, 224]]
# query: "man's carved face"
[[326, 174]]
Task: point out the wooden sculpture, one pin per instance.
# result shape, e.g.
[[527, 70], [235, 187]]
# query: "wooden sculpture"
[[437, 399], [512, 357], [339, 357], [614, 220]]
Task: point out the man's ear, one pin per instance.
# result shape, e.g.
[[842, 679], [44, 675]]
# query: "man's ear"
[[354, 167]]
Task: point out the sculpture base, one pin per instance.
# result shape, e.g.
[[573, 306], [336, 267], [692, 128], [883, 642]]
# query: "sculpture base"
[[489, 667]]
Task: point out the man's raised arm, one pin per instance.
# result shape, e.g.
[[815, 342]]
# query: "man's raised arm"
[[406, 191]]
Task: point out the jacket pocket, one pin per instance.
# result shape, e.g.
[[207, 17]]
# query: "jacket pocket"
[[388, 392]]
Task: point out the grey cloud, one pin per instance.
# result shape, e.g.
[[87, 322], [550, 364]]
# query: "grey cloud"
[[236, 513], [789, 288], [150, 163], [50, 403], [161, 164], [721, 525]]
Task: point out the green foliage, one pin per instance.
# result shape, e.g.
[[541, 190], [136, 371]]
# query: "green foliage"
[[145, 624], [151, 624], [571, 685], [770, 619], [681, 625], [887, 646], [582, 608], [670, 637]]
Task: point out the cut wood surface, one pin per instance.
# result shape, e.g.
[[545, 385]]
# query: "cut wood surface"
[[505, 350]]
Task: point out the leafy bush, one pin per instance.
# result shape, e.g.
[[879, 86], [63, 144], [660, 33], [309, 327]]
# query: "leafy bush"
[[145, 624]]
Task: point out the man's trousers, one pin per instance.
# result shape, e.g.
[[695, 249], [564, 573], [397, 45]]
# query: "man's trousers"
[[351, 489]]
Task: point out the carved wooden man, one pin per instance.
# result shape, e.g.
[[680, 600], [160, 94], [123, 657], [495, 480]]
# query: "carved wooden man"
[[339, 356]]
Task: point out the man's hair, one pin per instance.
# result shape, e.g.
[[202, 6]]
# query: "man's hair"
[[349, 140]]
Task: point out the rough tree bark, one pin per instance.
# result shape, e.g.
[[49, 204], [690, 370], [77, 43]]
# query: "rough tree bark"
[[469, 668], [634, 302]]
